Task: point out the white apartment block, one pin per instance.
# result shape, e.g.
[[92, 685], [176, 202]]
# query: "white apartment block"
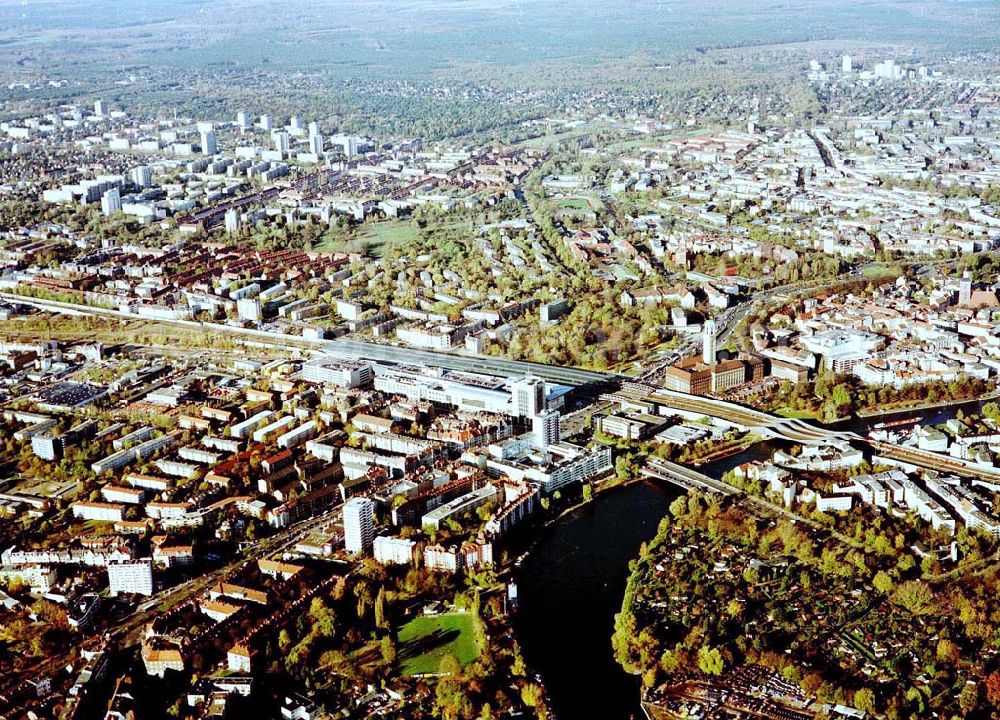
[[393, 551], [105, 512], [133, 578], [359, 525], [438, 557], [243, 429]]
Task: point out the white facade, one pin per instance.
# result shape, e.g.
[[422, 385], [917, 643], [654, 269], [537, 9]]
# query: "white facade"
[[528, 397], [393, 551], [133, 578], [141, 176], [334, 371], [563, 465], [545, 428], [437, 557], [359, 525], [209, 145], [834, 503], [466, 391], [111, 201], [301, 434], [104, 512], [282, 142], [243, 429], [708, 347], [275, 428], [232, 220], [249, 309]]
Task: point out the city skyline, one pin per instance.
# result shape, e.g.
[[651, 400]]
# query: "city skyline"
[[469, 360]]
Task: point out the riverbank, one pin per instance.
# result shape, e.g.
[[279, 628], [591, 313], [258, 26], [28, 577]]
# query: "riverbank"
[[572, 579], [899, 410], [607, 486], [563, 513], [727, 451]]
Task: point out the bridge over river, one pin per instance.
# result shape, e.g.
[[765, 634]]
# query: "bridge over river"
[[800, 431]]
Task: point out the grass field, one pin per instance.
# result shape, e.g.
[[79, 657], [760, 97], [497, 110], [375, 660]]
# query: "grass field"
[[797, 414], [425, 640], [881, 270], [575, 204], [375, 236], [378, 235], [546, 141], [107, 330]]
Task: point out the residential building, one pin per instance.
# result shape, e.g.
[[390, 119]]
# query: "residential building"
[[359, 525], [131, 578], [393, 551]]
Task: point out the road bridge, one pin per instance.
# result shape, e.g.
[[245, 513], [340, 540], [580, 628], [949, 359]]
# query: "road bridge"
[[685, 477], [802, 432]]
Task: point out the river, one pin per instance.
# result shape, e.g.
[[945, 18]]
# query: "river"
[[571, 586]]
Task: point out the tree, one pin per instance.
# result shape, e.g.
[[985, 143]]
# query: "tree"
[[622, 643], [532, 695], [710, 660], [323, 619], [388, 648], [449, 665], [518, 668], [811, 683], [50, 613], [864, 700], [946, 651], [915, 596], [882, 582], [380, 619], [992, 684], [969, 697]]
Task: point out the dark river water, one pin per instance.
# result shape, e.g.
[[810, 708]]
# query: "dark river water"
[[571, 586]]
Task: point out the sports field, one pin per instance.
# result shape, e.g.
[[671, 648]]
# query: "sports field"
[[425, 640]]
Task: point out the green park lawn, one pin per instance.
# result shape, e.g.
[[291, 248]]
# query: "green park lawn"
[[797, 414], [575, 204], [871, 271], [375, 236], [425, 640], [393, 231]]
